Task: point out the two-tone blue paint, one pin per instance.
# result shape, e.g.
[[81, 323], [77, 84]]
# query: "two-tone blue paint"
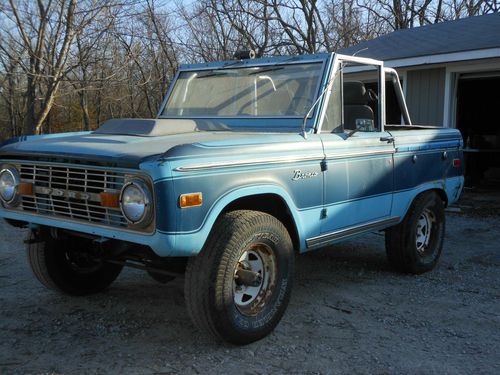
[[351, 184]]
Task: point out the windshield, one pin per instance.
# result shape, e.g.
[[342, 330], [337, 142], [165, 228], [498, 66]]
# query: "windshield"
[[269, 90]]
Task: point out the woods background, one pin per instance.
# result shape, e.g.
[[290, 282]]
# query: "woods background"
[[68, 65]]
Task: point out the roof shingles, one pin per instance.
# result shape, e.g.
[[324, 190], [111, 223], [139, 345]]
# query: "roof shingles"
[[467, 34]]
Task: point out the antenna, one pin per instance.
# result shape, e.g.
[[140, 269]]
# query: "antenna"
[[359, 50], [304, 134]]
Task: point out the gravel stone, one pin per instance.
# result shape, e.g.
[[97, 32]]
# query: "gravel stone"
[[349, 313]]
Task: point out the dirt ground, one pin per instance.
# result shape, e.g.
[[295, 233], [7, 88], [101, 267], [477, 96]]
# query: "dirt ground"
[[349, 313]]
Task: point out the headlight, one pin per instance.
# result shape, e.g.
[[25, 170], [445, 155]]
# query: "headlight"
[[135, 202], [9, 180]]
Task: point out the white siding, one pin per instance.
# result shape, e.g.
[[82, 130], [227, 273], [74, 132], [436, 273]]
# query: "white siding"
[[425, 96]]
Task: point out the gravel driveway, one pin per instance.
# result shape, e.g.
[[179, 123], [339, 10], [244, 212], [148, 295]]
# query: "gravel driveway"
[[349, 313]]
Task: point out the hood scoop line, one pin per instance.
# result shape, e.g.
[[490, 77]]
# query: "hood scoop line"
[[157, 127]]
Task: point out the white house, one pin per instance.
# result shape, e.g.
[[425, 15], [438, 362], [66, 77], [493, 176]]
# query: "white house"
[[450, 75]]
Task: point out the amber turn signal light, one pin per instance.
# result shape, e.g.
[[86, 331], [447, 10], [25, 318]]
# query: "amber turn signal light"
[[110, 199], [25, 188], [190, 200]]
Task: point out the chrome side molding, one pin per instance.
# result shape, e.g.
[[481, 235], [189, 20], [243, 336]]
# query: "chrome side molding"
[[350, 231], [246, 163]]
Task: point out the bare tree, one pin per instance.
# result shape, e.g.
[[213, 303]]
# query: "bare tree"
[[250, 21], [302, 23], [402, 14], [67, 65], [88, 58], [13, 101], [348, 24], [398, 14], [46, 32], [208, 36], [46, 38]]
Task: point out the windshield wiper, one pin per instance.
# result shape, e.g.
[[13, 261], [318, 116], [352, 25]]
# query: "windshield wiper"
[[266, 70], [212, 74], [232, 63]]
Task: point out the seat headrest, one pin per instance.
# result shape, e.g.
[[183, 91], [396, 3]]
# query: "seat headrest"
[[355, 93]]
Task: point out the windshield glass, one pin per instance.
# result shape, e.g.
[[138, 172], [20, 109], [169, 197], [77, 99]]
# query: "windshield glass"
[[270, 90]]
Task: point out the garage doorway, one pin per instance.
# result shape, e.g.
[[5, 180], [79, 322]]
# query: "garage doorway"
[[478, 102]]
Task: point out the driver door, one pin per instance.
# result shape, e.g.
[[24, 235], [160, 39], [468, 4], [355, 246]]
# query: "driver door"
[[359, 175]]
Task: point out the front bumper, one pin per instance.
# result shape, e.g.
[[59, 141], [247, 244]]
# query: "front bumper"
[[162, 244]]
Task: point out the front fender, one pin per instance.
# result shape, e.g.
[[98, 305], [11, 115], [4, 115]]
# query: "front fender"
[[191, 243]]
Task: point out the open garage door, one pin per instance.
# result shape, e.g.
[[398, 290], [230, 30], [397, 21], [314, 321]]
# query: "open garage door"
[[478, 118]]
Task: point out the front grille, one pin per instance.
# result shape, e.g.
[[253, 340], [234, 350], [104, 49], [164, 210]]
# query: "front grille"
[[71, 192]]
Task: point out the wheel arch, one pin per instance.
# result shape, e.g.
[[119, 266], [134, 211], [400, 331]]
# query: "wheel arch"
[[270, 199], [272, 204], [442, 194], [403, 201], [439, 191]]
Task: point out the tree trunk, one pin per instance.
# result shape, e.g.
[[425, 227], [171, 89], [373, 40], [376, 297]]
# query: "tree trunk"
[[84, 104], [44, 112], [48, 123], [10, 104], [29, 120]]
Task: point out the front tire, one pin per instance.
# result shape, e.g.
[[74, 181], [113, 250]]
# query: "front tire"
[[238, 287], [69, 266], [415, 245]]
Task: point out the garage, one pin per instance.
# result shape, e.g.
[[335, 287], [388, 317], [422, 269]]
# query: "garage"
[[478, 98], [451, 78]]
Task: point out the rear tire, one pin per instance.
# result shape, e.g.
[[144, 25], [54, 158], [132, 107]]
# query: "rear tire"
[[415, 245], [219, 298], [67, 266]]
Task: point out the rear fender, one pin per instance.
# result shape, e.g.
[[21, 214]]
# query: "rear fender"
[[449, 190]]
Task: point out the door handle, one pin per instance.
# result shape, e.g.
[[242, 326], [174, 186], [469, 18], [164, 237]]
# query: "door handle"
[[388, 139]]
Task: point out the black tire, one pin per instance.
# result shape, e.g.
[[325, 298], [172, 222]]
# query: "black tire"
[[415, 245], [54, 265], [218, 302]]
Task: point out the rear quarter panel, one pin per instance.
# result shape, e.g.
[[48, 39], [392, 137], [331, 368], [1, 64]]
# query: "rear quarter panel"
[[424, 160]]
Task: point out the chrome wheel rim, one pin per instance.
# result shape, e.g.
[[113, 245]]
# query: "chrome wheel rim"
[[425, 225], [260, 261]]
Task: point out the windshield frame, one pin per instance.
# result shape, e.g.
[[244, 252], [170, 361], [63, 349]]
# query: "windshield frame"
[[237, 64]]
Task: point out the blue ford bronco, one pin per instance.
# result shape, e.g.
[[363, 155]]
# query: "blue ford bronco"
[[247, 163]]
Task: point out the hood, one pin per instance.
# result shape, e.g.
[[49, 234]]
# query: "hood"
[[123, 142]]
